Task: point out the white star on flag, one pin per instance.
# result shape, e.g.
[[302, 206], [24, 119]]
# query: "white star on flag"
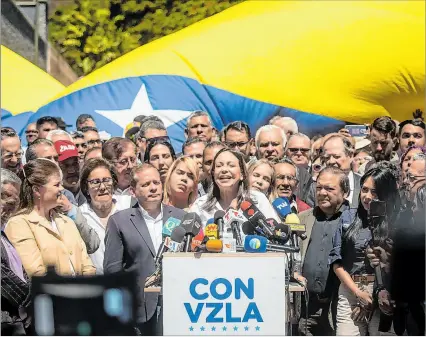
[[142, 106]]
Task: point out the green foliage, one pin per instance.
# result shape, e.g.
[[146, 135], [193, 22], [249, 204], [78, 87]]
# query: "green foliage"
[[91, 33]]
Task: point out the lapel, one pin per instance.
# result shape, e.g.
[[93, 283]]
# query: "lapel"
[[139, 222], [167, 212], [310, 220], [36, 219]]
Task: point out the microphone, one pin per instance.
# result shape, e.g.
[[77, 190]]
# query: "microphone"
[[218, 220], [197, 240], [168, 227], [214, 246], [297, 229], [191, 223], [282, 207], [174, 243], [259, 244], [282, 233], [233, 222], [210, 231], [252, 213]]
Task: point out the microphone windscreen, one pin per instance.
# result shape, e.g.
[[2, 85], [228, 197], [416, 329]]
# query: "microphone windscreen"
[[218, 215], [245, 205], [293, 222], [255, 244], [214, 246], [282, 206], [248, 228], [169, 225], [178, 233], [211, 231]]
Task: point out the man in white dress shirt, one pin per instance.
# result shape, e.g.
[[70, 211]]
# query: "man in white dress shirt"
[[134, 235]]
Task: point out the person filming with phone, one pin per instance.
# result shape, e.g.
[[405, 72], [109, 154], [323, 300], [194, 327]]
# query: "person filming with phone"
[[376, 214]]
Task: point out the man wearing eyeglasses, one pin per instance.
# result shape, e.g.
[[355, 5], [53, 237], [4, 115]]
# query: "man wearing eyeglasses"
[[286, 182], [11, 153], [299, 149], [238, 137], [91, 137], [121, 153]]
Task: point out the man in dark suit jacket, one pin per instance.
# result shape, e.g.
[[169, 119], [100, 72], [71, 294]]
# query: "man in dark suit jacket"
[[133, 237]]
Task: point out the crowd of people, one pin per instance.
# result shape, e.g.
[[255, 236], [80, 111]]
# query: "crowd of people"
[[82, 204]]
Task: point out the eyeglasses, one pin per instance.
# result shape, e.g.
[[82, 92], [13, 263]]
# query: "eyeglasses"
[[153, 139], [125, 161], [94, 142], [96, 183], [295, 150], [284, 176], [236, 144], [8, 155], [27, 132]]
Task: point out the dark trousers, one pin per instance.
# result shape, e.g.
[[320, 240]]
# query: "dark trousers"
[[319, 319]]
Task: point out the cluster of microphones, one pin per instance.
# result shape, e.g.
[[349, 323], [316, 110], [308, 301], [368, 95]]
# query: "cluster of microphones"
[[245, 230]]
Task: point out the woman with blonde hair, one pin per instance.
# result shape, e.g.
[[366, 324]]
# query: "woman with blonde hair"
[[181, 183], [261, 176], [41, 236]]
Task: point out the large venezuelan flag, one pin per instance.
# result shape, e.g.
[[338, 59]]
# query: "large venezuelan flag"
[[24, 88], [324, 63]]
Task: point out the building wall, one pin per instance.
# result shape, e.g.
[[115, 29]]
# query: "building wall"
[[17, 34]]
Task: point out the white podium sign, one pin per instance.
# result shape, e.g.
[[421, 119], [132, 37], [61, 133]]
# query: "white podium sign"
[[224, 294]]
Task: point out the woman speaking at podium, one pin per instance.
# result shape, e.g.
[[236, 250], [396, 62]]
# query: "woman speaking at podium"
[[230, 186], [42, 236]]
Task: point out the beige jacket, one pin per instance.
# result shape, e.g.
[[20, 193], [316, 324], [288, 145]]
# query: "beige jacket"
[[39, 245]]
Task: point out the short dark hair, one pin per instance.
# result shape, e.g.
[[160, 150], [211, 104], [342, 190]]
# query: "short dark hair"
[[91, 165], [416, 121], [344, 180], [7, 132], [82, 118], [85, 129], [30, 154], [156, 142], [113, 148], [190, 141], [46, 119], [385, 124], [214, 143], [239, 126]]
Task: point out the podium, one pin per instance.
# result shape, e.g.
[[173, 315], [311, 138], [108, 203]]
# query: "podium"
[[224, 294]]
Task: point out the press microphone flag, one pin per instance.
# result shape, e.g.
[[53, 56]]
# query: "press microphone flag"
[[253, 214], [282, 207], [168, 227], [192, 224]]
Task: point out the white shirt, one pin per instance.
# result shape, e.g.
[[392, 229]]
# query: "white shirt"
[[120, 203], [155, 227], [56, 229], [259, 199], [122, 192]]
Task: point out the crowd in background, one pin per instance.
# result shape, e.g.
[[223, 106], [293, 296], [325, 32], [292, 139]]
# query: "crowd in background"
[[79, 202]]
